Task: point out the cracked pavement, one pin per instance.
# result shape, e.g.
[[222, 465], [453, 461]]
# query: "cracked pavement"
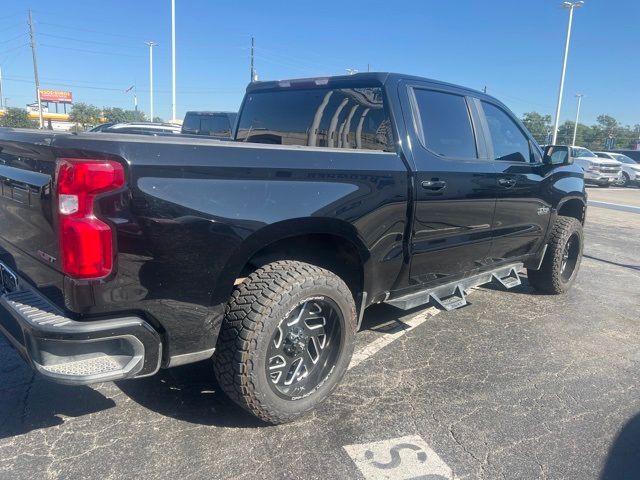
[[515, 385]]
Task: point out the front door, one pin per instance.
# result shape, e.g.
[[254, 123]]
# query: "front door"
[[522, 209], [455, 187]]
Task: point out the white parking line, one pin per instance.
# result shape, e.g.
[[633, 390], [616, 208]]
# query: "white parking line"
[[399, 458], [401, 327], [614, 206]]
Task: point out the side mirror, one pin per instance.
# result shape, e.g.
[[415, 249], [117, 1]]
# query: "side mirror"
[[557, 155]]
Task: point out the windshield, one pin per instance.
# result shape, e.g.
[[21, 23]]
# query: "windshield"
[[623, 158], [581, 152]]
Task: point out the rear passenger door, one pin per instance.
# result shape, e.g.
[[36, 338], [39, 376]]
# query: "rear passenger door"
[[455, 186], [523, 201]]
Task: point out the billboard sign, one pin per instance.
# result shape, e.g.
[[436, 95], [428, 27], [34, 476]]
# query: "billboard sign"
[[56, 96]]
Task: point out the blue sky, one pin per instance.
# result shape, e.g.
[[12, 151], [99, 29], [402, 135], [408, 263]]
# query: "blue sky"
[[96, 49]]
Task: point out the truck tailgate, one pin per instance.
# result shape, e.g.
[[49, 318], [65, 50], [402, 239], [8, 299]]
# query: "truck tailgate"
[[28, 238]]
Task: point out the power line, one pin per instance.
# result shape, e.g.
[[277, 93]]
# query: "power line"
[[74, 28], [89, 51], [74, 85], [23, 34], [80, 40], [15, 48]]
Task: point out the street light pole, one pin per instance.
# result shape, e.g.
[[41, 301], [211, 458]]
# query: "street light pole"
[[151, 44], [173, 60], [1, 92], [571, 6], [575, 127]]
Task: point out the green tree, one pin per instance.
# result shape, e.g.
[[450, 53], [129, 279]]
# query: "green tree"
[[85, 115], [17, 118], [119, 115], [539, 125], [158, 120]]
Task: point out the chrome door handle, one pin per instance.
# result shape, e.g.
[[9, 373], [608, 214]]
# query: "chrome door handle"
[[506, 182], [434, 185]]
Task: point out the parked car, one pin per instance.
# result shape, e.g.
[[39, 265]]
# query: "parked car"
[[632, 154], [603, 172], [143, 128], [212, 124], [101, 127], [630, 168], [122, 255]]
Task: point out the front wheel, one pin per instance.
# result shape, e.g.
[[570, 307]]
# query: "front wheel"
[[624, 180], [286, 341], [562, 259]]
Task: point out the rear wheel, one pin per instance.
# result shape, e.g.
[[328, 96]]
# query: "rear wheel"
[[286, 341], [562, 259]]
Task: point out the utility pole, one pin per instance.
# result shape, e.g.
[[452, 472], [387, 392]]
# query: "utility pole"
[[575, 127], [253, 69], [173, 60], [35, 67], [151, 44], [571, 6]]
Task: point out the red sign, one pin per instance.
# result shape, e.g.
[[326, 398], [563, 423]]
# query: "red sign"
[[56, 96]]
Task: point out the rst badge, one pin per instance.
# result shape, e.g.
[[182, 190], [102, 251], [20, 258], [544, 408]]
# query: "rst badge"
[[543, 210]]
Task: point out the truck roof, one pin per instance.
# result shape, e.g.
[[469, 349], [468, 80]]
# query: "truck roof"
[[346, 81]]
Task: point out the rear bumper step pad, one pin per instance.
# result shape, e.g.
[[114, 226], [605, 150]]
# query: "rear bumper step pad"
[[70, 351]]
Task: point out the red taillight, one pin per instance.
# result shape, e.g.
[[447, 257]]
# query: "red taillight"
[[86, 243]]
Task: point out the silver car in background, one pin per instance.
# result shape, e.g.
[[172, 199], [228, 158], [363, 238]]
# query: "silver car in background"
[[630, 168], [599, 171]]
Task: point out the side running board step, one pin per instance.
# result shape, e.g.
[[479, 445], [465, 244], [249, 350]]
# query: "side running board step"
[[450, 296], [457, 300], [510, 281]]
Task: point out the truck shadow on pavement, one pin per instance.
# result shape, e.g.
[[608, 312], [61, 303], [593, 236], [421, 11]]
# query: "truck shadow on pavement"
[[36, 404], [623, 460], [189, 393]]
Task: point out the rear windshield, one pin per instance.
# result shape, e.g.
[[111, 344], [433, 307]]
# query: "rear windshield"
[[338, 118], [206, 124]]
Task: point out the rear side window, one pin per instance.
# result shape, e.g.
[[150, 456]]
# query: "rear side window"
[[446, 125], [509, 143], [339, 118]]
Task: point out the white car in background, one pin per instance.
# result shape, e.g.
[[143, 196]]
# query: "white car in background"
[[599, 171], [630, 168]]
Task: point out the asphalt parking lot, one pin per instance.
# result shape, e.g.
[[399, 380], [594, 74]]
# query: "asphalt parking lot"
[[515, 385]]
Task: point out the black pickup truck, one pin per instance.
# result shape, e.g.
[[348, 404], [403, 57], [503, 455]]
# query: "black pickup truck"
[[122, 254]]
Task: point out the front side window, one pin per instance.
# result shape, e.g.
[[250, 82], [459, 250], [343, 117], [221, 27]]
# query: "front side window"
[[317, 117], [446, 125], [509, 143]]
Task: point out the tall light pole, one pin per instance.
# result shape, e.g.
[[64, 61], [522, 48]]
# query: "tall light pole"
[[173, 60], [571, 6], [575, 127], [1, 92], [151, 44]]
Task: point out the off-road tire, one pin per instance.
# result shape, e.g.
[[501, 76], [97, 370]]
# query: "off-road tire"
[[252, 315], [549, 278]]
